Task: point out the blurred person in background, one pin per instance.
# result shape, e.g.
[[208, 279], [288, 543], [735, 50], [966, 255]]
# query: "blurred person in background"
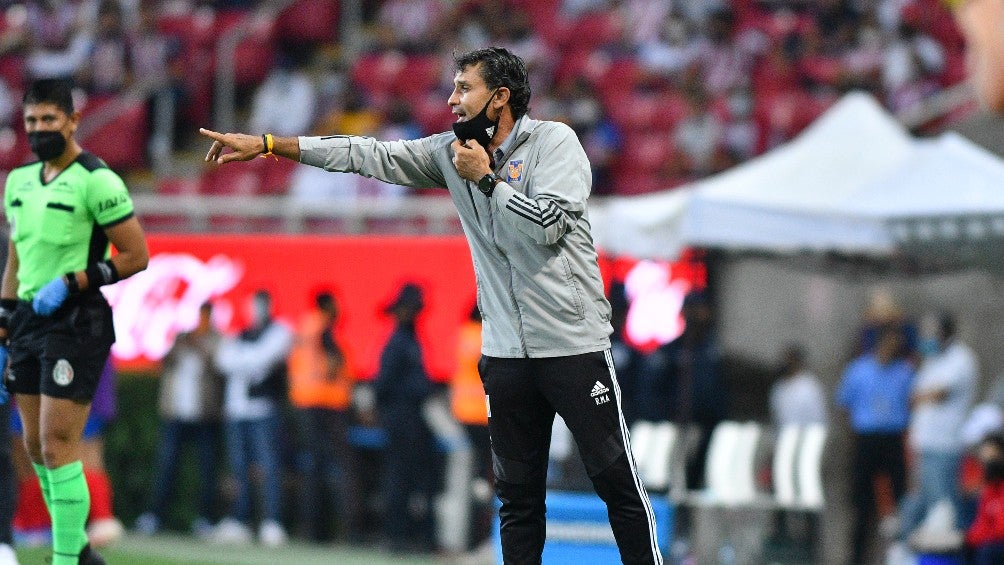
[[797, 398], [982, 22], [942, 397], [254, 366], [875, 392], [469, 406], [401, 389], [286, 103], [107, 70], [529, 234], [8, 482], [190, 405], [698, 392], [985, 537], [58, 323], [320, 391], [103, 528]]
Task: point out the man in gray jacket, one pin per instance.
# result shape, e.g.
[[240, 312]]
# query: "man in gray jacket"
[[520, 187]]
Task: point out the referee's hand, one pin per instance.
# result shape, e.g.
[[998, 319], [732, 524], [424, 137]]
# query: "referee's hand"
[[50, 297], [243, 147]]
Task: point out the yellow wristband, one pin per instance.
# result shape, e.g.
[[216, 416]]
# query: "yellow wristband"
[[269, 143]]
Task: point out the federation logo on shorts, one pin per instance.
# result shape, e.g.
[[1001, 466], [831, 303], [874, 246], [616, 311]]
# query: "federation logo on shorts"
[[62, 373], [515, 171]]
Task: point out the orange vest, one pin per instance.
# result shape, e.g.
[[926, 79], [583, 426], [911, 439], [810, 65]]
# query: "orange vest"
[[311, 384], [467, 394]]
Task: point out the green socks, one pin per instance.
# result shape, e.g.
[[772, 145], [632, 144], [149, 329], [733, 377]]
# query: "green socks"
[[43, 481], [70, 502]]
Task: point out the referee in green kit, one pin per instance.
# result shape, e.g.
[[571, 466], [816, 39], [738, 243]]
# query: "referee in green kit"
[[55, 326]]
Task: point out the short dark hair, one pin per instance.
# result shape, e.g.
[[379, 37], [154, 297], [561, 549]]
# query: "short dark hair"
[[324, 300], [51, 90], [500, 67]]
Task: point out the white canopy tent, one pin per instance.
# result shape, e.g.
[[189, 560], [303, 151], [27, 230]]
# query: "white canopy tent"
[[852, 183]]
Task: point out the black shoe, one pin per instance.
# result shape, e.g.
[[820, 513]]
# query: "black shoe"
[[90, 557]]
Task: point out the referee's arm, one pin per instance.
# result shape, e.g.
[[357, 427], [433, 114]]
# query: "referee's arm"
[[8, 290], [133, 255]]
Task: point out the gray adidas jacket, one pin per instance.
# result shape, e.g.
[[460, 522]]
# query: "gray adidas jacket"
[[539, 286]]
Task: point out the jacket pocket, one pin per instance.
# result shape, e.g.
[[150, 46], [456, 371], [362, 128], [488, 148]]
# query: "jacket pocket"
[[571, 288]]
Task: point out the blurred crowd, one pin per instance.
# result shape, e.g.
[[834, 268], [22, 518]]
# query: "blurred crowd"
[[315, 450], [681, 89]]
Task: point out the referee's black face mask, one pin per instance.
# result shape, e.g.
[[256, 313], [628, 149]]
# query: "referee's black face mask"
[[47, 145], [480, 128]]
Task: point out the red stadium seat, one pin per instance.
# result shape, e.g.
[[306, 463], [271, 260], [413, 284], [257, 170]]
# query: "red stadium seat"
[[275, 175], [130, 131], [14, 149], [307, 22], [232, 179], [646, 111], [647, 152], [590, 31], [432, 113], [176, 185]]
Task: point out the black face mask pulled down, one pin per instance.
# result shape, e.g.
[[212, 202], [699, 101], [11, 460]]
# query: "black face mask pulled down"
[[47, 145], [480, 128]]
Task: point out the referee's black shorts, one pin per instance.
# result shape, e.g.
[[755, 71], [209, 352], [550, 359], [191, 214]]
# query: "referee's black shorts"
[[61, 355]]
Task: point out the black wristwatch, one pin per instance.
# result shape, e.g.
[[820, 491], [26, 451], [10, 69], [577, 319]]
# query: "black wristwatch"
[[487, 183]]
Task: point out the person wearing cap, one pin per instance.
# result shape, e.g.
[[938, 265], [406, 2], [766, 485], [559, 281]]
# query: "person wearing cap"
[[520, 187], [982, 24], [401, 389]]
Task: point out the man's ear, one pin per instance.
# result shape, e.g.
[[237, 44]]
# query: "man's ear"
[[501, 97]]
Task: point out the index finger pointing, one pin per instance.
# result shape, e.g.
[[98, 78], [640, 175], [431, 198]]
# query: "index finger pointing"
[[211, 134]]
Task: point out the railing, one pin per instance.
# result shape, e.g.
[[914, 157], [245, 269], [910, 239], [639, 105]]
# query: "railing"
[[430, 215]]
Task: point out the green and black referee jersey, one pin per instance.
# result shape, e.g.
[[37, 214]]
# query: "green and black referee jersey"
[[58, 227]]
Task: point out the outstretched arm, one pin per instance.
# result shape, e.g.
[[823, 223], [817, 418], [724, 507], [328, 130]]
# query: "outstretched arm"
[[244, 147]]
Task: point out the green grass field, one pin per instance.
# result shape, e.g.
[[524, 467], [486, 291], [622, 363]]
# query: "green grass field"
[[185, 550]]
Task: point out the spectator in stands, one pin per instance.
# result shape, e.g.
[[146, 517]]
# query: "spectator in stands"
[[942, 397], [107, 70], [402, 388], [286, 103], [797, 399], [875, 391], [254, 364], [156, 63], [985, 537], [575, 103], [913, 60], [741, 133], [409, 25], [57, 38], [726, 57], [672, 50], [981, 22], [321, 382], [190, 405], [699, 135]]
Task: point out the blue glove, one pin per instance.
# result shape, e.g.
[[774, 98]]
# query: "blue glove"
[[4, 395], [50, 297]]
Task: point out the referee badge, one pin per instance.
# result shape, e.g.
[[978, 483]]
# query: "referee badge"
[[62, 373]]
